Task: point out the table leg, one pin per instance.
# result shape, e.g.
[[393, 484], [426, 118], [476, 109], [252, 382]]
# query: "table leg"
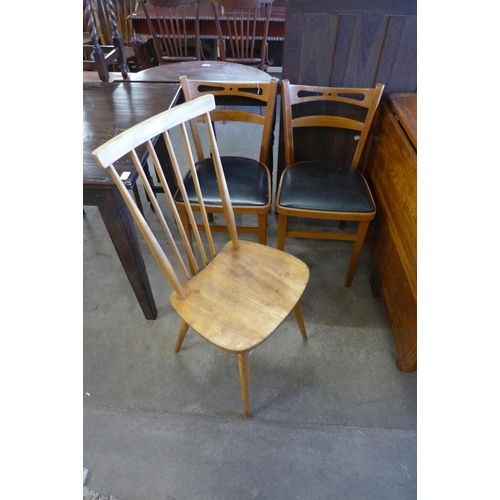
[[120, 225]]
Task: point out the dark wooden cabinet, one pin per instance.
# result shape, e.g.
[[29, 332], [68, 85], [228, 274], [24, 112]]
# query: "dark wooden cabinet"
[[391, 171]]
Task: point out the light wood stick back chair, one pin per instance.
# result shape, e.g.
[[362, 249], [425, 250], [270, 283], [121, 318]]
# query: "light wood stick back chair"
[[168, 24], [235, 298], [243, 26], [248, 179], [328, 190]]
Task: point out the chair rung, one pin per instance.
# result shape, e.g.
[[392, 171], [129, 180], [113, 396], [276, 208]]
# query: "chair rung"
[[297, 233], [221, 229]]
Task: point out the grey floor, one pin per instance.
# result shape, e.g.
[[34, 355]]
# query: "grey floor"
[[330, 418]]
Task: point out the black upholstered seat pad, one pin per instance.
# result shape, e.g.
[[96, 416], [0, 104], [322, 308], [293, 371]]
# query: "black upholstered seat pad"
[[325, 186], [247, 182]]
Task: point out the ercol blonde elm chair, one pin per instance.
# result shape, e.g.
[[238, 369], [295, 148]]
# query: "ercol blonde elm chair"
[[241, 34], [248, 179], [327, 190], [239, 296]]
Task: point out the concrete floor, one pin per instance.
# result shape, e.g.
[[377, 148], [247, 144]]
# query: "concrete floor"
[[330, 418]]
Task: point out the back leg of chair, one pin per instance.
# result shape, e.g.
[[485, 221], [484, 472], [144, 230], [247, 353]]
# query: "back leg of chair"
[[297, 310], [245, 378], [356, 251], [182, 334], [262, 224], [282, 221]]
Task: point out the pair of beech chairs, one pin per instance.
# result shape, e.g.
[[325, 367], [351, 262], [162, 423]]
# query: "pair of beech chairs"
[[237, 297]]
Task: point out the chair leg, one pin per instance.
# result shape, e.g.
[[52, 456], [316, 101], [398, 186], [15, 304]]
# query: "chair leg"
[[244, 377], [138, 199], [297, 310], [182, 334], [282, 220], [356, 251], [262, 223]]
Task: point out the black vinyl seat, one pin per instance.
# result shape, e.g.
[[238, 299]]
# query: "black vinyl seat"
[[247, 182], [248, 178], [331, 187]]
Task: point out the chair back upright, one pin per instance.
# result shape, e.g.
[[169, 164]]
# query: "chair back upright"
[[168, 24], [102, 52], [241, 26], [348, 110], [123, 9], [131, 145]]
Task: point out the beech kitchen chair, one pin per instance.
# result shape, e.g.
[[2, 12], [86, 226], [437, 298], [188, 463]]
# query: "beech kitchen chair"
[[167, 21], [319, 189], [242, 31], [235, 298], [249, 180]]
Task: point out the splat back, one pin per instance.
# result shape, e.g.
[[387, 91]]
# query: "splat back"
[[240, 24], [350, 111], [256, 94], [168, 23], [131, 144]]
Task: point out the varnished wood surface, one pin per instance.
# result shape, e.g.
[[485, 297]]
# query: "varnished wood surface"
[[111, 108], [202, 70], [236, 285], [356, 43], [404, 107], [391, 170]]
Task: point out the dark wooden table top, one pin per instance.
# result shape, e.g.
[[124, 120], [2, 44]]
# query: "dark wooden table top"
[[404, 106], [111, 108], [201, 70]]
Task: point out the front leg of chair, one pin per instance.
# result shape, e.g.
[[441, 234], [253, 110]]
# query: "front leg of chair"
[[356, 251], [297, 310], [262, 223], [182, 334], [282, 221], [245, 377]]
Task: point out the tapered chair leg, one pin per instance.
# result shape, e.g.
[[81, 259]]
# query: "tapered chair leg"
[[297, 310], [282, 220], [358, 245], [244, 377], [182, 333]]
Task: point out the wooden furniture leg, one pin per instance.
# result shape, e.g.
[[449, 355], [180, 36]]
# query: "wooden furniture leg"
[[297, 310], [282, 221], [358, 245], [182, 334], [121, 229], [245, 376]]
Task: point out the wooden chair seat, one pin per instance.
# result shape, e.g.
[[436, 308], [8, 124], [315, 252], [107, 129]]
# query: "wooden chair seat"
[[247, 182], [242, 296], [325, 186]]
